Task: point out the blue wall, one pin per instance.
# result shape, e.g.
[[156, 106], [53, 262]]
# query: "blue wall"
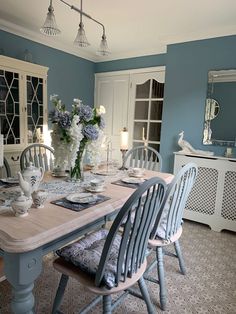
[[186, 89], [68, 76], [131, 63], [187, 65]]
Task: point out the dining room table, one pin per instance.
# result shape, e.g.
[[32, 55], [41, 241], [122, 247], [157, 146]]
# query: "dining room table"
[[24, 241]]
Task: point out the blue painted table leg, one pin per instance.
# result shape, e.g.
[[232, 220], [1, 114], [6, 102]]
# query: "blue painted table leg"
[[21, 270]]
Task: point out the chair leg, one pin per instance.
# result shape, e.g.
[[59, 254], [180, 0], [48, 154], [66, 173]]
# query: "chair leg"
[[180, 257], [145, 295], [107, 304], [60, 292], [161, 277]]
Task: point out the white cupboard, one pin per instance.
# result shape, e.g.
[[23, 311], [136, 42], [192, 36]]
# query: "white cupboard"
[[23, 106], [113, 93], [133, 99]]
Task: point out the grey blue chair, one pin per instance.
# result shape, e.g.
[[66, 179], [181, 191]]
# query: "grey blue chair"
[[168, 228], [40, 155], [143, 157], [108, 262]]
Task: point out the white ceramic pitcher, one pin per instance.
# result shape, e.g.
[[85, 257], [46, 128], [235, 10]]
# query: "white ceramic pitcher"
[[33, 176]]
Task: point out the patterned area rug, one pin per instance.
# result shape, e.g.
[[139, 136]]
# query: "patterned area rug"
[[208, 287]]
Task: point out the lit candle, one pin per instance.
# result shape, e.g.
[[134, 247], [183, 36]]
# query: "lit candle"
[[124, 139]]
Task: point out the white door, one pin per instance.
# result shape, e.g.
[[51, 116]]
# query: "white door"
[[145, 108], [113, 93]]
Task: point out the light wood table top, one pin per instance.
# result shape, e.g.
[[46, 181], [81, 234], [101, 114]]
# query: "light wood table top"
[[22, 234]]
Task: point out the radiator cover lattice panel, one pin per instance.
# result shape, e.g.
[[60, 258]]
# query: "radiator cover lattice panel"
[[203, 195], [229, 196]]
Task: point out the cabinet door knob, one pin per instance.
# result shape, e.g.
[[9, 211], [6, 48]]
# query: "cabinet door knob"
[[15, 159]]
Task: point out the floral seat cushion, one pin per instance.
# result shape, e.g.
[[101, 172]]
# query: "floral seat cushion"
[[86, 254]]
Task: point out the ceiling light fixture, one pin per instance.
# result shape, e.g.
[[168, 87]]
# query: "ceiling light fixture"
[[50, 28]]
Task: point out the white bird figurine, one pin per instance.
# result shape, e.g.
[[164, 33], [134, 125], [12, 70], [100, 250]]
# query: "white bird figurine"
[[188, 148]]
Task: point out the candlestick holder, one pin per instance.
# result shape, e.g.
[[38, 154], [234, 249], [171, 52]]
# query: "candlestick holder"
[[123, 152]]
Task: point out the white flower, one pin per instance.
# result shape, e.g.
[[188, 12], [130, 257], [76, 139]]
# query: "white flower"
[[77, 101], [94, 149], [76, 137], [101, 110]]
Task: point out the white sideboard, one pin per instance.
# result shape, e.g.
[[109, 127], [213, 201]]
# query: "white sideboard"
[[213, 198]]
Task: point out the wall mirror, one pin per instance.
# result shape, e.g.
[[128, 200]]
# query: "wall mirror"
[[220, 109]]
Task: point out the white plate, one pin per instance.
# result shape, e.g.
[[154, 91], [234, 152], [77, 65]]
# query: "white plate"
[[105, 172], [95, 189], [132, 180], [10, 180], [82, 198], [135, 175]]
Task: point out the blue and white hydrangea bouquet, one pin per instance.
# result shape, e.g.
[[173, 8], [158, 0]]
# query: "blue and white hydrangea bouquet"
[[75, 131]]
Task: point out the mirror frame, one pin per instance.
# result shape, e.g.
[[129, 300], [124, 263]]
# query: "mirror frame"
[[216, 76]]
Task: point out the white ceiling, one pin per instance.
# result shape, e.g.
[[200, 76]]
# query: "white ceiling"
[[133, 27]]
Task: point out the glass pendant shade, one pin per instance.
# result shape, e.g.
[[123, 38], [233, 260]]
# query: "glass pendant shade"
[[49, 27], [81, 39], [103, 49]]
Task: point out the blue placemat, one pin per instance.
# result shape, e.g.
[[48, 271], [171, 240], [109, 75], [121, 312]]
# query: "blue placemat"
[[127, 185], [63, 202]]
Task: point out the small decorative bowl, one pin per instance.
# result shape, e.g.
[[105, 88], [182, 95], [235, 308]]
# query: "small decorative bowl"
[[21, 205], [39, 197]]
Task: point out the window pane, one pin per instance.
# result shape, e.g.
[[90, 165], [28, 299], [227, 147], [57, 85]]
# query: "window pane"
[[157, 89], [154, 131], [155, 146], [141, 110], [156, 110], [139, 129], [142, 91]]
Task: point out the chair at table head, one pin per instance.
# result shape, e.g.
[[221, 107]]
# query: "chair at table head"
[[39, 154], [116, 261], [143, 157], [174, 203], [168, 226]]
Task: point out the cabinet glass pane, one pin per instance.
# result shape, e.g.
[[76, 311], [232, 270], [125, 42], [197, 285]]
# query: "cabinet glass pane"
[[9, 107], [2, 107], [156, 110], [30, 92], [157, 89], [141, 110], [142, 90], [3, 93], [9, 78], [154, 131], [139, 129], [34, 108], [40, 93]]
